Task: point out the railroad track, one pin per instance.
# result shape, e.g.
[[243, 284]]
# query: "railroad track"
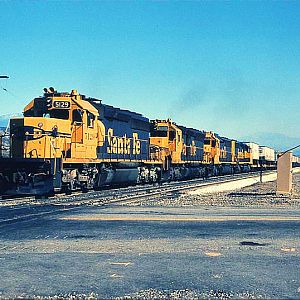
[[116, 192], [34, 209], [165, 191]]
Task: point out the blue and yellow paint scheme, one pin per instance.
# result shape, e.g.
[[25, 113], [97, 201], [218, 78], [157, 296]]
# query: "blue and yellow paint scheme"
[[80, 142], [66, 141]]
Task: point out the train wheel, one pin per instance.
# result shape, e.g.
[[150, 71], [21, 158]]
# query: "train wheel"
[[84, 188], [67, 189]]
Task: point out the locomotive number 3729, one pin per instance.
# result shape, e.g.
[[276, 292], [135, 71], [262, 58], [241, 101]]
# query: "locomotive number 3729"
[[61, 104]]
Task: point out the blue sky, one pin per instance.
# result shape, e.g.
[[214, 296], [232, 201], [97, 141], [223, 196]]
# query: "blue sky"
[[231, 67]]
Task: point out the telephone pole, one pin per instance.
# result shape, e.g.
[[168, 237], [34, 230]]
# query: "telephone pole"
[[1, 136]]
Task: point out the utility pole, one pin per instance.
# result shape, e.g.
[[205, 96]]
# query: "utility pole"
[[2, 136]]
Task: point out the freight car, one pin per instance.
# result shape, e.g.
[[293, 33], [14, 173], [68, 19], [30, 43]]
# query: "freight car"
[[262, 156], [267, 156], [295, 161], [66, 141], [255, 153]]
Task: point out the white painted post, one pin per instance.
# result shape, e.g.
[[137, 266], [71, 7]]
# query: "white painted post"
[[284, 174]]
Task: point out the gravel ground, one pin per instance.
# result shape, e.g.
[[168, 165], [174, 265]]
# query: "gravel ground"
[[256, 195], [154, 294], [190, 294]]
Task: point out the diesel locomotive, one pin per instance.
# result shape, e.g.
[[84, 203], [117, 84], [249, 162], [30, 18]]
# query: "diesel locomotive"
[[66, 142]]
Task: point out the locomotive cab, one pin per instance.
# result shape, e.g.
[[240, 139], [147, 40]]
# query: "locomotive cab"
[[57, 125], [211, 148], [59, 131], [168, 137]]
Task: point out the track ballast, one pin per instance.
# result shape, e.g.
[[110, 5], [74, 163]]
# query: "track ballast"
[[29, 208]]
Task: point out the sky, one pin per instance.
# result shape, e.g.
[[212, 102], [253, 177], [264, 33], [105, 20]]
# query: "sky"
[[230, 67]]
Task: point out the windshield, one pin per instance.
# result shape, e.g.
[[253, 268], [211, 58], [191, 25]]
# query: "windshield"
[[160, 131], [40, 109], [57, 114]]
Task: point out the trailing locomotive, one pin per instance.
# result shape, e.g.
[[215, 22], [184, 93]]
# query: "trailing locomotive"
[[66, 142]]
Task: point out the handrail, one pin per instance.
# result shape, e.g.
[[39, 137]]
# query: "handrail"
[[293, 148], [55, 158]]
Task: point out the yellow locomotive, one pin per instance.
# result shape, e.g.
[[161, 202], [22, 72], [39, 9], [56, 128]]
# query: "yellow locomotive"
[[67, 141]]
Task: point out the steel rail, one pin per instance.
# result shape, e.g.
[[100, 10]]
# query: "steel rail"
[[112, 192]]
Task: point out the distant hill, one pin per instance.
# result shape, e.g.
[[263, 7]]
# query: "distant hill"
[[280, 142]]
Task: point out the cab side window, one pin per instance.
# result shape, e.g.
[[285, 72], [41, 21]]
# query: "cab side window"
[[77, 116], [91, 120], [172, 135]]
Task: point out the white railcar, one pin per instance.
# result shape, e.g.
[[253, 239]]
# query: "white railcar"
[[296, 161], [266, 154], [255, 150]]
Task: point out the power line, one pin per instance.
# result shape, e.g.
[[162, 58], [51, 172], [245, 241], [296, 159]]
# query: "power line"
[[288, 150], [9, 92], [5, 89]]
